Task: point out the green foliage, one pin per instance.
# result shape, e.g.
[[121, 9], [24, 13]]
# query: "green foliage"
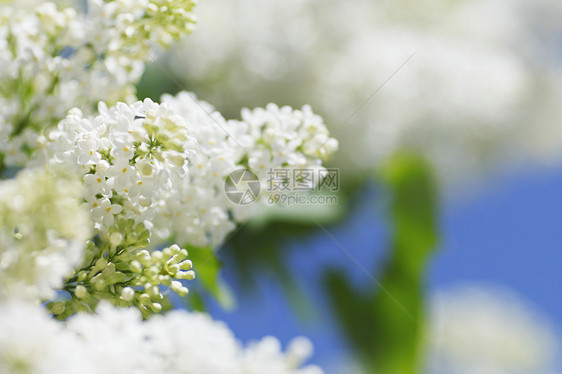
[[156, 81], [260, 249], [208, 266], [385, 323]]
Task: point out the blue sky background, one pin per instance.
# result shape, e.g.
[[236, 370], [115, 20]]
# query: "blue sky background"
[[508, 234]]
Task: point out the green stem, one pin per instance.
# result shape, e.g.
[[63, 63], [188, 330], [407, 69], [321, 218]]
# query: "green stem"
[[385, 324]]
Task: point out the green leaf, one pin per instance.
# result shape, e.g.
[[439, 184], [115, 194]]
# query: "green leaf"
[[207, 270], [353, 310], [414, 213], [400, 329], [266, 256], [385, 324], [299, 301]]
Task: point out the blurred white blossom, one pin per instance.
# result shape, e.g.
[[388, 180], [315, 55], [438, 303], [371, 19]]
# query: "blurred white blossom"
[[211, 347], [32, 342], [43, 232], [481, 90], [489, 330], [117, 340]]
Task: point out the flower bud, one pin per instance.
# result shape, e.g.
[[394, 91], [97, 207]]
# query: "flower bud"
[[165, 279], [80, 292], [155, 307], [153, 291], [115, 239], [189, 275], [157, 256], [57, 307], [179, 288], [127, 294], [173, 268]]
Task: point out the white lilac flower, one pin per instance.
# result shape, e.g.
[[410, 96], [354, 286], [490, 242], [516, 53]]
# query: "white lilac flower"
[[489, 330], [104, 211], [123, 200], [482, 88], [165, 165], [156, 173], [266, 138], [117, 340], [43, 232], [54, 57], [106, 149], [126, 347], [267, 353], [181, 337], [32, 342]]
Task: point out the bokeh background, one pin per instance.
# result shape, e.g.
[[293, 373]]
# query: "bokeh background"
[[473, 88], [507, 237]]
